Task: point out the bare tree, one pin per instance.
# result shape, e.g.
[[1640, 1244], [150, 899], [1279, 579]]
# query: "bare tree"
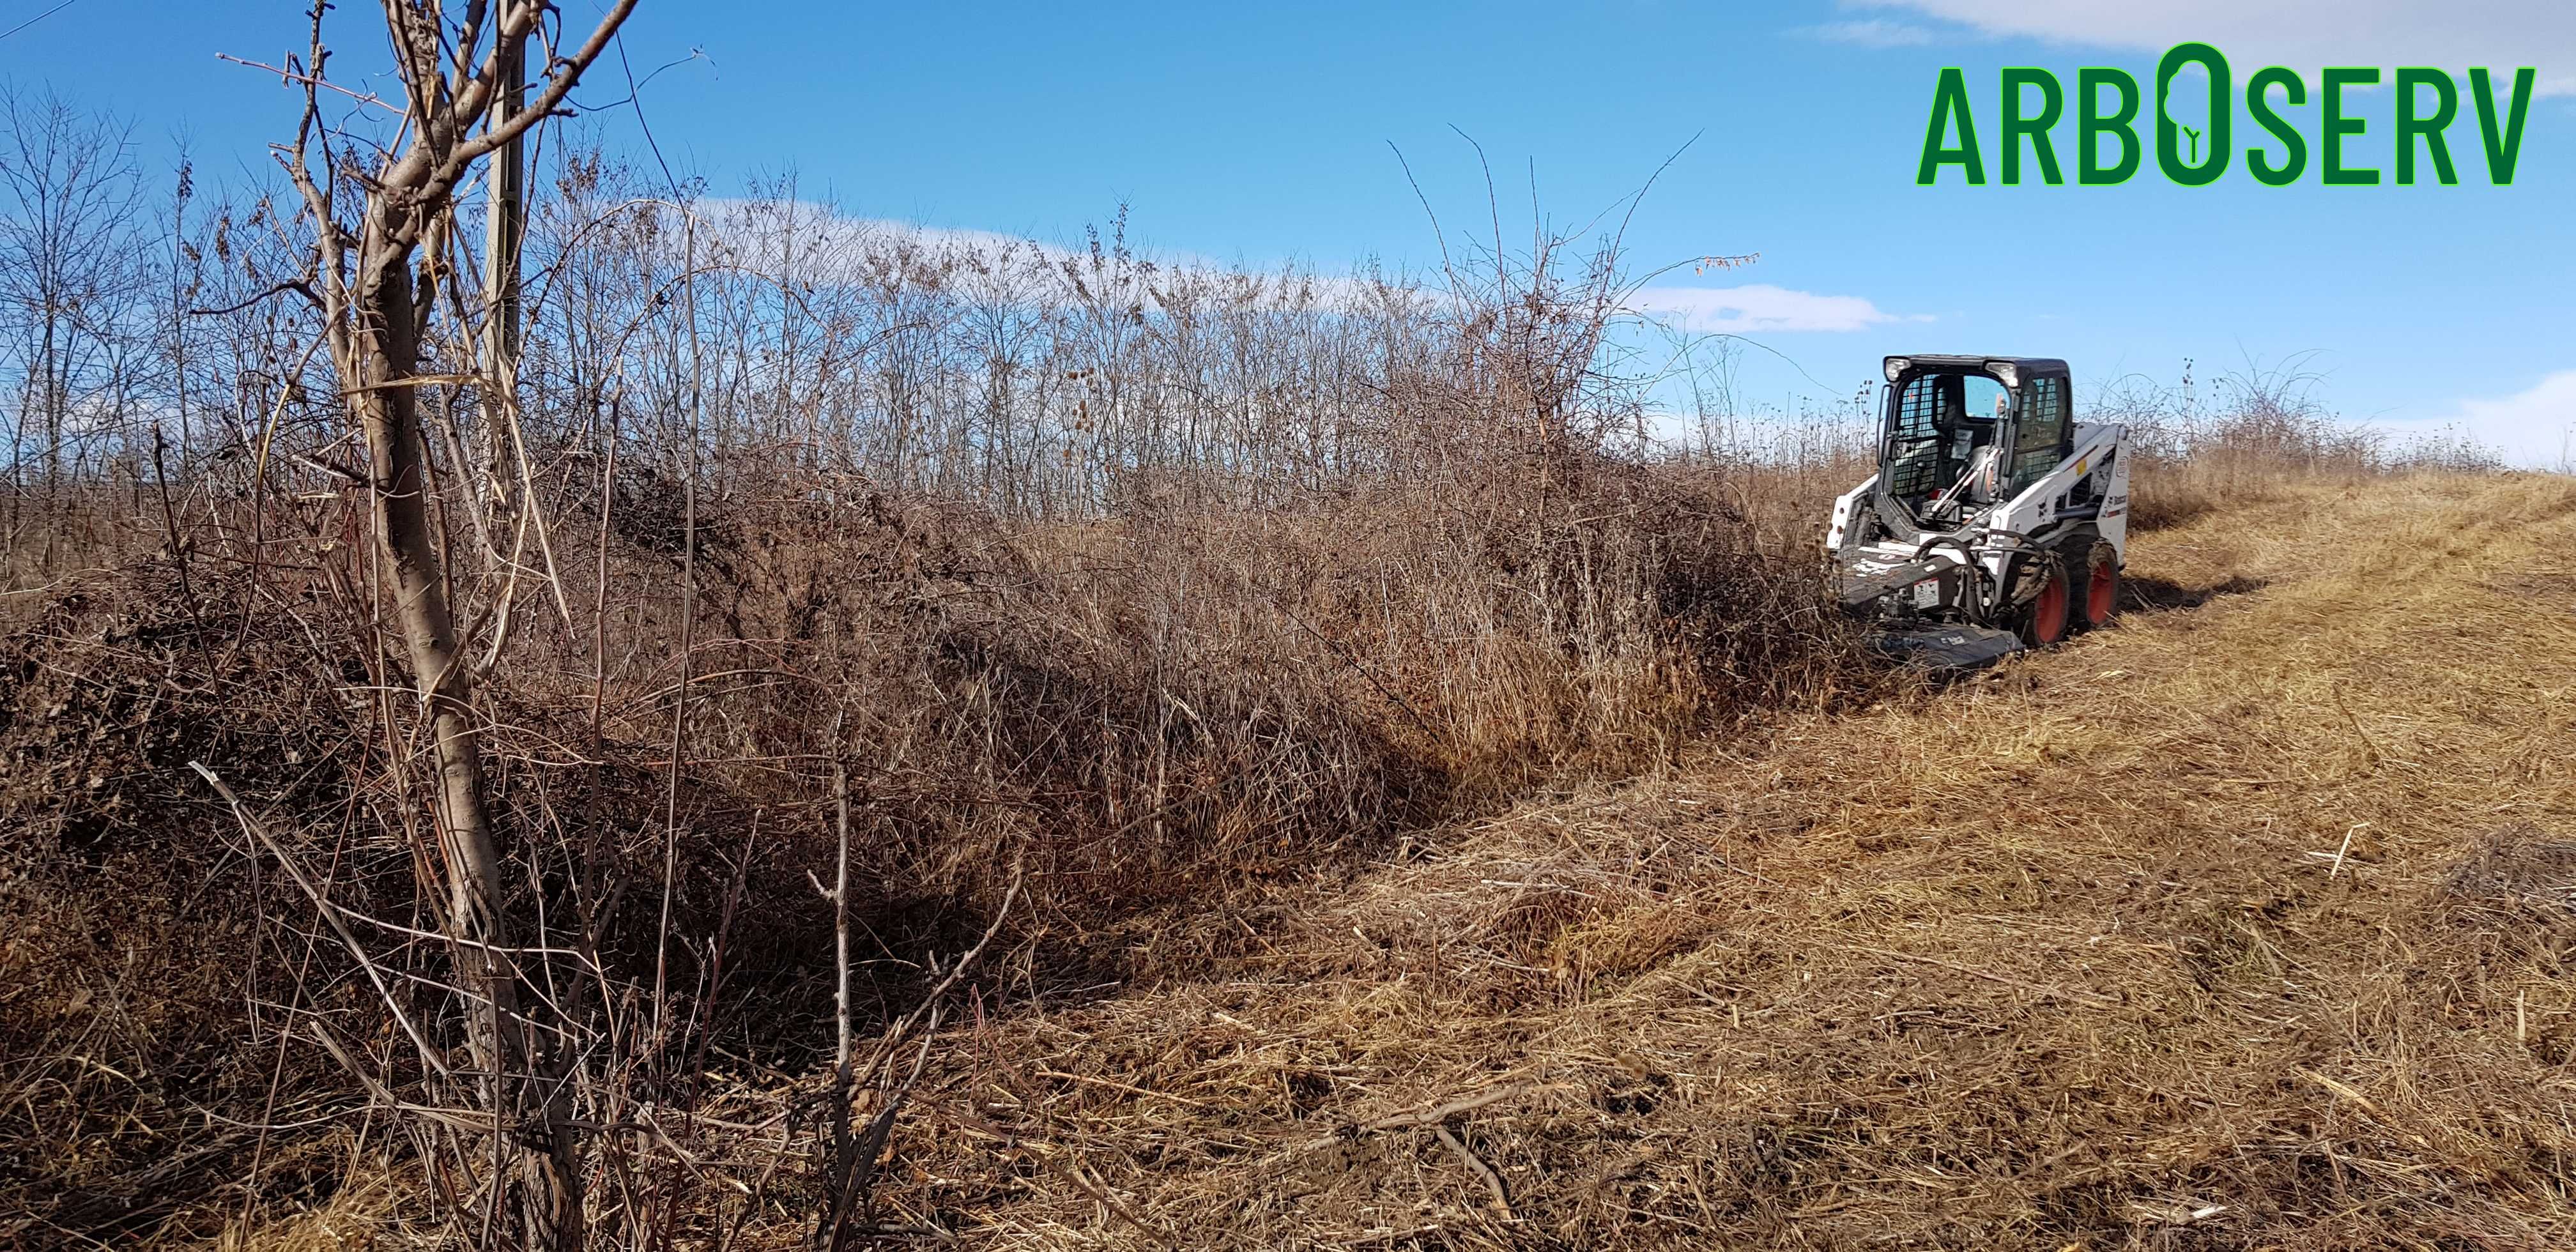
[[377, 278], [69, 192]]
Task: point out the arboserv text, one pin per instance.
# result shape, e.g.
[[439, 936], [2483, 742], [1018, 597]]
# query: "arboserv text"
[[2427, 103]]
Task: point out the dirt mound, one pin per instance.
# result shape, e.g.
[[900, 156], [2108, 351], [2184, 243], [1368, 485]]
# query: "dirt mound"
[[126, 905]]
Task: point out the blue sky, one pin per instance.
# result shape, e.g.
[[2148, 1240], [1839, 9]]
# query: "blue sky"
[[1262, 133]]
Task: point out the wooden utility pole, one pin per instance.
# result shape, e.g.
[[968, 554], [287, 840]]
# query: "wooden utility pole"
[[506, 227], [505, 224]]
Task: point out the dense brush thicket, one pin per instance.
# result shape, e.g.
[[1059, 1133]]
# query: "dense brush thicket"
[[1065, 588], [1041, 595]]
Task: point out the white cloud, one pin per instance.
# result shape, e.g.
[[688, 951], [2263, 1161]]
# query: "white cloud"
[[835, 246], [1871, 32], [2534, 427], [2303, 34], [755, 225], [1757, 308]]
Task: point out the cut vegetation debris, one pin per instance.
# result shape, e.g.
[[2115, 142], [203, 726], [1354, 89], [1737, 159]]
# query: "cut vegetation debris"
[[699, 724], [2038, 961], [2245, 923]]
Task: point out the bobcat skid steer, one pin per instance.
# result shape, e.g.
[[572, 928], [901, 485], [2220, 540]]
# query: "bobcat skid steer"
[[1995, 522]]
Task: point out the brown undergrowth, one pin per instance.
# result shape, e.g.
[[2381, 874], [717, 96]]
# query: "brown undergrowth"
[[1131, 719], [1337, 924], [2243, 924]]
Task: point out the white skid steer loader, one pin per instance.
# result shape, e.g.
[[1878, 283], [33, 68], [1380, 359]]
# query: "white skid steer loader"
[[1995, 522]]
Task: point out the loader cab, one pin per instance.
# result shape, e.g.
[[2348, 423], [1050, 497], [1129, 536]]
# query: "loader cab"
[[1962, 433]]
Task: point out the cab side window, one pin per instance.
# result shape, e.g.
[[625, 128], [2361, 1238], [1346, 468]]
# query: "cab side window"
[[1914, 453], [2039, 442]]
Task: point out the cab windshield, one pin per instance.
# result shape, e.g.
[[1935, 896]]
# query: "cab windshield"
[[1938, 422]]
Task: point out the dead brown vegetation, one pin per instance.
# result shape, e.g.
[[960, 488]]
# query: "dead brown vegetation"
[[2124, 947], [1201, 585], [1236, 758], [1139, 714], [2260, 431], [1032, 745]]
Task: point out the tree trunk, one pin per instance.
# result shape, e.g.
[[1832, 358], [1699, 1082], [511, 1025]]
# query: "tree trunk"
[[374, 321], [531, 1110]]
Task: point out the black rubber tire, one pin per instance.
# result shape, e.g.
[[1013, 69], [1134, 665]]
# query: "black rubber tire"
[[2045, 622], [2094, 599]]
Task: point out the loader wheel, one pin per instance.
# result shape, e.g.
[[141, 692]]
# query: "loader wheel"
[[2043, 624], [2101, 595], [2095, 569]]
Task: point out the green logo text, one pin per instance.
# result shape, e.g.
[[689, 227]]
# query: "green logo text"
[[2031, 105]]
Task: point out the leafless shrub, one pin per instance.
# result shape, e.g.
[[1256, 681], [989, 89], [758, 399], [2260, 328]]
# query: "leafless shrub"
[[2258, 428], [1028, 596], [1040, 593]]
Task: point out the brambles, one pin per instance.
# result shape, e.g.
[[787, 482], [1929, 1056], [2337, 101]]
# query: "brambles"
[[1121, 591], [1217, 642]]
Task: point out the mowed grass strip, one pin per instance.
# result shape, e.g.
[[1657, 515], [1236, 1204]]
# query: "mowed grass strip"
[[2243, 924]]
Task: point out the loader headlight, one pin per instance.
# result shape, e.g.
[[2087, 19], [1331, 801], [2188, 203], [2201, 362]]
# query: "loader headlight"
[[1896, 367]]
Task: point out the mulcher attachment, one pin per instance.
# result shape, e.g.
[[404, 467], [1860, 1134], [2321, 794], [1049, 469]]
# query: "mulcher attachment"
[[1953, 646], [1921, 584], [1860, 589]]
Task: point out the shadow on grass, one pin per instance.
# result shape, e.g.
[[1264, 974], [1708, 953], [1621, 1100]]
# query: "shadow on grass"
[[2146, 594]]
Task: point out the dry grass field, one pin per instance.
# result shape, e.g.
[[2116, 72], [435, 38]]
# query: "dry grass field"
[[2245, 924], [708, 722]]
